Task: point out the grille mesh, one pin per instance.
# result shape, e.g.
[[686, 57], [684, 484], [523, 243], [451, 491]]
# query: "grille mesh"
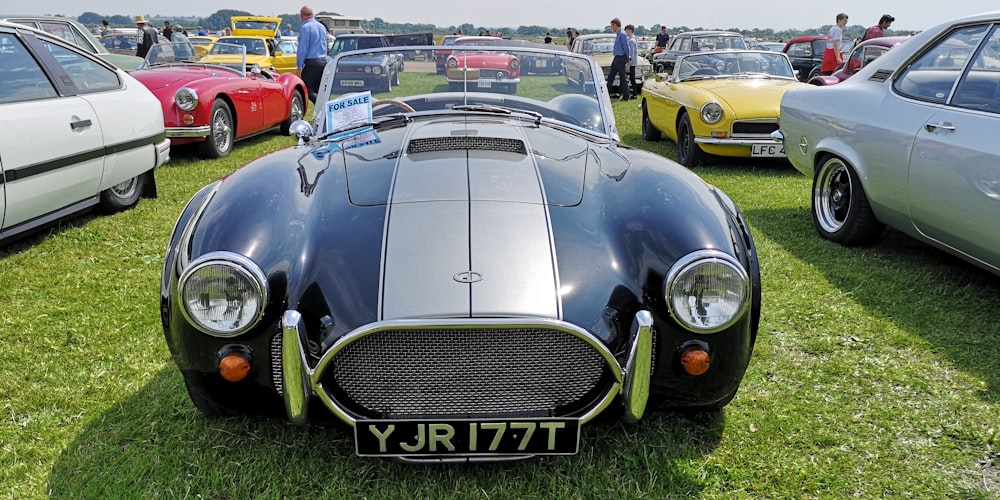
[[279, 386], [753, 128], [434, 144], [466, 372]]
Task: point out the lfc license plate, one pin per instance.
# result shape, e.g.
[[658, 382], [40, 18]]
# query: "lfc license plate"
[[549, 436], [775, 150]]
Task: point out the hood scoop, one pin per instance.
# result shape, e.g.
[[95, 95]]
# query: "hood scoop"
[[438, 144]]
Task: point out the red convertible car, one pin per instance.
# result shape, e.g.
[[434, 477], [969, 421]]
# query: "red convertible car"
[[218, 103], [483, 71]]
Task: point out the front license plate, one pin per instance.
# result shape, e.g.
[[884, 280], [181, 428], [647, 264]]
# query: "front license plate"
[[767, 150], [463, 437], [352, 83], [485, 84]]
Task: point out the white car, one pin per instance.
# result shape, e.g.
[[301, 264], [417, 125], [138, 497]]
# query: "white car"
[[79, 133], [908, 142]]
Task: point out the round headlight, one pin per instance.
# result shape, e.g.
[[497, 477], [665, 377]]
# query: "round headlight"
[[368, 69], [707, 291], [515, 62], [376, 70], [186, 99], [452, 63], [222, 294], [711, 113]]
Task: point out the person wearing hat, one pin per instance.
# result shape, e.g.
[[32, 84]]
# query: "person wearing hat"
[[147, 36], [878, 30]]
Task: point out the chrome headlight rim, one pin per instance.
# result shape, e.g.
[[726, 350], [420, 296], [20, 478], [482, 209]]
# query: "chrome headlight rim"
[[186, 99], [711, 113], [248, 268], [689, 262]]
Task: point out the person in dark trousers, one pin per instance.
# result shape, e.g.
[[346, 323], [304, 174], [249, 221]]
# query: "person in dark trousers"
[[310, 59], [633, 59], [147, 36], [620, 62]]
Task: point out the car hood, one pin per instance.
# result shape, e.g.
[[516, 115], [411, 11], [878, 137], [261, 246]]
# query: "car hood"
[[748, 97], [176, 76]]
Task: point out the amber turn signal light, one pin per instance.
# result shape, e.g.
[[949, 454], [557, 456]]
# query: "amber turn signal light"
[[695, 360], [234, 367]]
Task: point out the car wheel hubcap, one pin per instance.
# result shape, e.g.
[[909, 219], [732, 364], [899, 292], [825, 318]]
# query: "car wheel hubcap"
[[834, 197], [125, 189], [221, 130]]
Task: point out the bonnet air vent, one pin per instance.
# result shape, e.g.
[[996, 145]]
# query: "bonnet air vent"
[[434, 144], [880, 75]]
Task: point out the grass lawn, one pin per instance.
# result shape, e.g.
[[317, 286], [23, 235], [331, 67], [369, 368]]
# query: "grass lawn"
[[876, 374]]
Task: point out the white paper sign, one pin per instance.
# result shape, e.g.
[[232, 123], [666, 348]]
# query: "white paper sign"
[[348, 109]]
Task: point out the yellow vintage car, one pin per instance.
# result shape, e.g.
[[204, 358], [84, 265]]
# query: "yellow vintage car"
[[722, 103], [261, 36], [202, 44]]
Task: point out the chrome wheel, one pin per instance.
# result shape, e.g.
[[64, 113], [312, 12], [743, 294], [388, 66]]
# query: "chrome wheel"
[[222, 130], [840, 207], [833, 196]]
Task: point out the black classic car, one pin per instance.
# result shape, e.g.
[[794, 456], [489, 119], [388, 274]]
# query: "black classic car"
[[460, 275], [378, 72]]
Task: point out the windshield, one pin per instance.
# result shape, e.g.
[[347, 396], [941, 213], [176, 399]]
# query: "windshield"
[[548, 86], [226, 55], [717, 42], [603, 45], [733, 64]]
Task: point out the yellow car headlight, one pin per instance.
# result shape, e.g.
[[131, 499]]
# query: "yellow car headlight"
[[711, 113]]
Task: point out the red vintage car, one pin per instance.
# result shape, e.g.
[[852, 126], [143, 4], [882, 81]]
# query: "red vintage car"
[[483, 71], [441, 55], [216, 104], [864, 53]]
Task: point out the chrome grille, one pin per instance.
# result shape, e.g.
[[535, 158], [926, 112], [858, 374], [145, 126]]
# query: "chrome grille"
[[279, 385], [754, 129], [435, 144], [464, 372]]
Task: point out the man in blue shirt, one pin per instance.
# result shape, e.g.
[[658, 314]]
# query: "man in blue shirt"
[[620, 63], [288, 31], [310, 59]]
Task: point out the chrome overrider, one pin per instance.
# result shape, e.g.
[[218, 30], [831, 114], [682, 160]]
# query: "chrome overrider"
[[302, 382]]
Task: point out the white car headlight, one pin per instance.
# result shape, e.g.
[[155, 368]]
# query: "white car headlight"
[[711, 113], [222, 294], [376, 70], [186, 99], [707, 291]]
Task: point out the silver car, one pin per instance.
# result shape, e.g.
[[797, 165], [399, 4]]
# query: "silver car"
[[908, 142]]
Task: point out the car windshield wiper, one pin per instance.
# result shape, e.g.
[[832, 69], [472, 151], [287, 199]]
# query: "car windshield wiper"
[[489, 108], [379, 122], [754, 74]]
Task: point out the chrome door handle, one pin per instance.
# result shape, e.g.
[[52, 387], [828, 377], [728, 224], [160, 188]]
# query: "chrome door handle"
[[930, 127]]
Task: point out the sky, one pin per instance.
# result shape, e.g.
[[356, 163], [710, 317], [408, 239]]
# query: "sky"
[[912, 15]]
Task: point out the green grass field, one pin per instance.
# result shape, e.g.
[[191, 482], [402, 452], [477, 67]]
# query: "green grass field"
[[876, 374]]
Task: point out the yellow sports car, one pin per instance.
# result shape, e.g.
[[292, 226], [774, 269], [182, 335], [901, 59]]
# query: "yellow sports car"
[[202, 44], [260, 35], [723, 103]]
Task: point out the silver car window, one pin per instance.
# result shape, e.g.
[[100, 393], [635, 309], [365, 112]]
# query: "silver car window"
[[933, 74], [979, 89], [22, 79]]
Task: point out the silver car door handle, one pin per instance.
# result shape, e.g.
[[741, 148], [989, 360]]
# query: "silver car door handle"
[[77, 125], [943, 125]]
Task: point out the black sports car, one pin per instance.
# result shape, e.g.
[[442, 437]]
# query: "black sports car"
[[461, 274]]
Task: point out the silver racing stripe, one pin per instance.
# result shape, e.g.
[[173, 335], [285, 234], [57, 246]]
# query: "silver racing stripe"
[[459, 213]]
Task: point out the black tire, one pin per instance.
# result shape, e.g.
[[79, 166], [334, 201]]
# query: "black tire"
[[219, 142], [689, 153], [581, 83], [386, 85], [208, 406], [813, 73], [395, 77], [123, 195], [840, 208], [649, 132], [296, 112]]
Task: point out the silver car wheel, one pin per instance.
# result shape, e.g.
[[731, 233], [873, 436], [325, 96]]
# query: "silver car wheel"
[[833, 195], [126, 189], [222, 130]]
